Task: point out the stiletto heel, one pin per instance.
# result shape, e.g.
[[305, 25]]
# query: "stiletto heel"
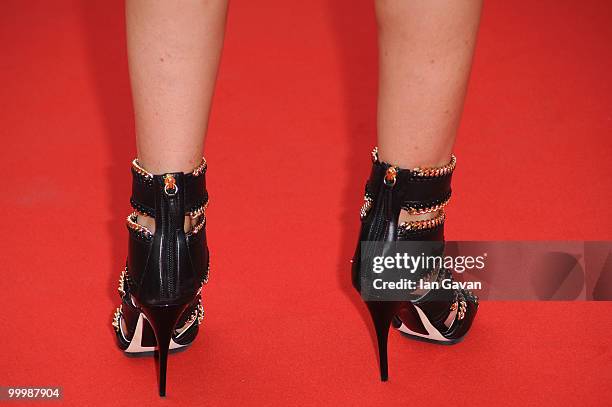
[[166, 270], [382, 314], [163, 320], [435, 315]]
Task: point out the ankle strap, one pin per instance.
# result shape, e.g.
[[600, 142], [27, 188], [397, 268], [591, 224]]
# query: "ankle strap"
[[191, 186], [419, 190]]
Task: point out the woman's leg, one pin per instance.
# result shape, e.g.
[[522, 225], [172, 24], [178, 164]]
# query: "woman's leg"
[[174, 49], [425, 54]]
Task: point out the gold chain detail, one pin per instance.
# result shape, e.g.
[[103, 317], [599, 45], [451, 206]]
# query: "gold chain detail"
[[131, 223], [191, 318], [427, 172], [200, 311], [365, 208], [462, 310], [122, 278], [197, 314], [200, 168], [199, 211], [207, 274], [140, 170], [429, 209], [198, 226], [424, 224], [437, 171], [116, 317]]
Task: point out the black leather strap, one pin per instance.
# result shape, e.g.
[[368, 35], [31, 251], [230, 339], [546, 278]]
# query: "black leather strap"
[[144, 189], [411, 189]]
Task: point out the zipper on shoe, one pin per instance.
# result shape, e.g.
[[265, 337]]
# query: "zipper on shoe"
[[170, 189], [383, 213]]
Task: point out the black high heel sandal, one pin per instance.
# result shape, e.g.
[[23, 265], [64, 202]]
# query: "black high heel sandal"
[[440, 316], [160, 288]]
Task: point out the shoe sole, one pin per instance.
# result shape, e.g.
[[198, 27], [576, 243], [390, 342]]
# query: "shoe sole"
[[136, 346], [432, 336]]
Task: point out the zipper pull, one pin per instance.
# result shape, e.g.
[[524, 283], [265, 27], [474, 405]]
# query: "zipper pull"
[[170, 187], [391, 176]]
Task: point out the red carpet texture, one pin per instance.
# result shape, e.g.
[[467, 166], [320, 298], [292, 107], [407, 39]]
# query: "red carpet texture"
[[288, 149]]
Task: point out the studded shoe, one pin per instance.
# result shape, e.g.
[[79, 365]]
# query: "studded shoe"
[[160, 287], [436, 315]]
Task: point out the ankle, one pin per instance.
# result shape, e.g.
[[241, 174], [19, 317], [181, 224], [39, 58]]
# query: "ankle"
[[168, 165], [414, 161], [407, 217], [149, 223]]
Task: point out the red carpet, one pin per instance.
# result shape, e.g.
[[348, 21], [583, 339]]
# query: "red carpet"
[[288, 148]]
